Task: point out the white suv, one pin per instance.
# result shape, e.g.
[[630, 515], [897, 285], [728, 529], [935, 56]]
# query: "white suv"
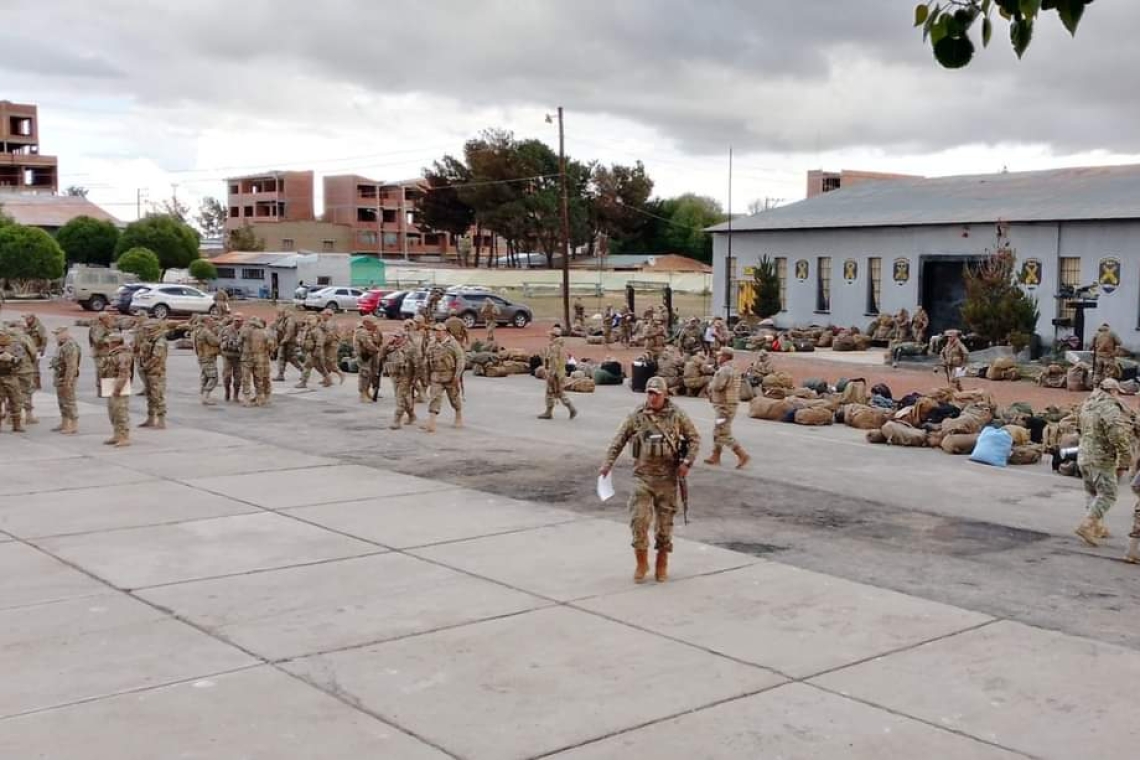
[[162, 301], [333, 298]]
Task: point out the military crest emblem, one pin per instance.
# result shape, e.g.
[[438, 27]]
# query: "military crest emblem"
[[1030, 273], [802, 270], [1108, 274], [902, 271], [850, 270]]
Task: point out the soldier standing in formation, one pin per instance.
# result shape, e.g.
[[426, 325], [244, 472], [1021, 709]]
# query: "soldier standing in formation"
[[65, 374], [39, 335], [222, 301], [423, 341], [724, 393], [207, 346], [97, 339], [457, 328], [256, 349], [287, 329], [445, 372], [400, 364], [489, 312], [118, 363], [665, 443], [152, 370], [331, 347], [555, 364], [312, 340], [1104, 345], [1103, 455], [689, 341], [231, 357], [26, 372], [366, 343], [11, 397], [954, 359]]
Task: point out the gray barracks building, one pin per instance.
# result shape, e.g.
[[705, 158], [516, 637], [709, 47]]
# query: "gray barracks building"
[[879, 246]]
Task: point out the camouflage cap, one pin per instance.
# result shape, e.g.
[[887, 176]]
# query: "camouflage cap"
[[1108, 384], [438, 327], [656, 385], [555, 332], [726, 351], [368, 320], [59, 330]]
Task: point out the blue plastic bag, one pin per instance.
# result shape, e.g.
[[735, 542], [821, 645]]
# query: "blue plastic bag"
[[993, 447]]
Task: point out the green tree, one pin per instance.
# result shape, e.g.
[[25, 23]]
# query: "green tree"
[[211, 217], [203, 270], [617, 196], [689, 215], [767, 288], [86, 240], [174, 242], [947, 24], [442, 208], [141, 261], [245, 239], [996, 307], [175, 208], [76, 191], [29, 256]]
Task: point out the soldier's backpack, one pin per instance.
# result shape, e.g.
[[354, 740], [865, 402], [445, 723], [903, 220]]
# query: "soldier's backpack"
[[959, 443], [818, 415], [761, 408], [901, 434], [1025, 455]]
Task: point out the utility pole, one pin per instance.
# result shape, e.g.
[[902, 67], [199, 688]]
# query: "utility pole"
[[565, 226], [729, 264]]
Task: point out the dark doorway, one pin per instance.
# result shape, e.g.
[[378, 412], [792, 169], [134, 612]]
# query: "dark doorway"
[[273, 286], [944, 291]]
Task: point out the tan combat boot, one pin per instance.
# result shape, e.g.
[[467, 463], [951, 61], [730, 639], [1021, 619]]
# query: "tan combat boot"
[[62, 426], [30, 418], [1087, 531], [742, 457], [661, 572], [301, 384], [573, 411], [122, 442], [397, 421], [642, 570], [458, 420], [714, 458], [365, 398], [429, 426], [548, 414], [149, 422], [71, 428], [1133, 555], [160, 422], [111, 441], [1102, 529]]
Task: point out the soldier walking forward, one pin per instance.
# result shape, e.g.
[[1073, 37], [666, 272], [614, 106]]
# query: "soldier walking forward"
[[366, 343], [207, 345], [665, 443], [1105, 448], [445, 372], [724, 393], [400, 364], [489, 312], [554, 363], [954, 358], [65, 375]]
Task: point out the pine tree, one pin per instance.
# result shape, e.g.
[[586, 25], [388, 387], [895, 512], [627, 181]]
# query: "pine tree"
[[996, 307]]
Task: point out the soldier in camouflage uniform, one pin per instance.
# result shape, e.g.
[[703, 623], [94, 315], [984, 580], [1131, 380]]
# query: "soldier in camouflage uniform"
[[954, 357], [489, 313], [332, 346], [152, 369], [665, 443], [400, 364], [287, 329], [140, 339], [919, 324], [445, 365], [65, 375], [654, 339], [1103, 455], [422, 342], [697, 375], [554, 362], [222, 301], [230, 338], [690, 338], [1104, 345], [39, 335], [366, 343], [724, 393], [457, 328], [312, 339], [26, 372], [256, 350], [11, 396], [207, 346], [118, 363], [96, 338]]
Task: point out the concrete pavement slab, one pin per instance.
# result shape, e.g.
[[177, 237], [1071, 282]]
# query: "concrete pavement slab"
[[140, 557], [177, 465], [174, 438], [304, 610], [432, 517], [1040, 692], [56, 654], [256, 714], [574, 560], [22, 448], [108, 507], [28, 576], [530, 684], [791, 722], [791, 620], [21, 478], [318, 485]]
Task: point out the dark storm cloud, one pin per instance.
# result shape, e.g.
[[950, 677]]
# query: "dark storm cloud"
[[761, 74]]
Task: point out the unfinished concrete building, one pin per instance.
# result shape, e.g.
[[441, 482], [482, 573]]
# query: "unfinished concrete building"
[[22, 167]]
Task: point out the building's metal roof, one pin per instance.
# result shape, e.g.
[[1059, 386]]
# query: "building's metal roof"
[[276, 259], [41, 210], [1089, 193]]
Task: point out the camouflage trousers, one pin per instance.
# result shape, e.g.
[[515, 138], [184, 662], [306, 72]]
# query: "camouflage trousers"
[[37, 381], [119, 412], [722, 428], [490, 332], [405, 397], [332, 363], [315, 360], [1101, 489], [1105, 367], [261, 380], [27, 389], [65, 397], [231, 374], [248, 387], [654, 502], [287, 354], [98, 360], [208, 372], [556, 393], [155, 384], [11, 398], [695, 386], [367, 371], [438, 389]]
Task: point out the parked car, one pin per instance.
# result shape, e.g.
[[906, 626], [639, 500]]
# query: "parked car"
[[126, 293], [162, 301], [333, 298], [468, 301], [369, 303], [94, 288], [391, 303], [412, 303]]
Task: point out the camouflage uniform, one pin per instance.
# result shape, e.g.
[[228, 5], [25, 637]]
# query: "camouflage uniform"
[[695, 377], [457, 329], [65, 376], [954, 356], [366, 344], [117, 364], [445, 365], [26, 372], [140, 338], [331, 347], [607, 325], [724, 393], [97, 339], [489, 313], [579, 311], [656, 435], [1104, 345], [919, 325], [207, 346], [689, 340], [152, 365], [313, 346], [654, 339], [35, 329], [230, 338], [554, 363], [222, 301], [11, 395], [256, 349], [400, 364], [1105, 448], [287, 329]]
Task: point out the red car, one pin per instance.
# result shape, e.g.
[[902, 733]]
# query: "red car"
[[369, 303]]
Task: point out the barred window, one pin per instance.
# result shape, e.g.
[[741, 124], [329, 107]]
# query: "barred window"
[[874, 284], [823, 284], [225, 273], [1070, 273], [782, 275], [253, 274]]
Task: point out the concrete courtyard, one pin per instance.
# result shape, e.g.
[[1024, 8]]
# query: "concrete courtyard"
[[300, 582]]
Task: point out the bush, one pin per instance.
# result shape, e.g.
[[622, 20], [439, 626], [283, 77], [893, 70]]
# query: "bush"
[[203, 270], [996, 307], [85, 240], [767, 289], [143, 262], [175, 243], [29, 256]]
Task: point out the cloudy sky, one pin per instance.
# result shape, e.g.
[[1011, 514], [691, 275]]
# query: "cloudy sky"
[[141, 94]]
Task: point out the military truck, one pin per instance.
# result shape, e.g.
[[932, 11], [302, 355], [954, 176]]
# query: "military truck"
[[92, 287]]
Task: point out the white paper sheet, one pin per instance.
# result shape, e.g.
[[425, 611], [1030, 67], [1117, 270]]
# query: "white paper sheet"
[[107, 387], [606, 487]]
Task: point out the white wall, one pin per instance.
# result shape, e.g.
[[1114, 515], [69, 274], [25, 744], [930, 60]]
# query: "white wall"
[[514, 278]]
